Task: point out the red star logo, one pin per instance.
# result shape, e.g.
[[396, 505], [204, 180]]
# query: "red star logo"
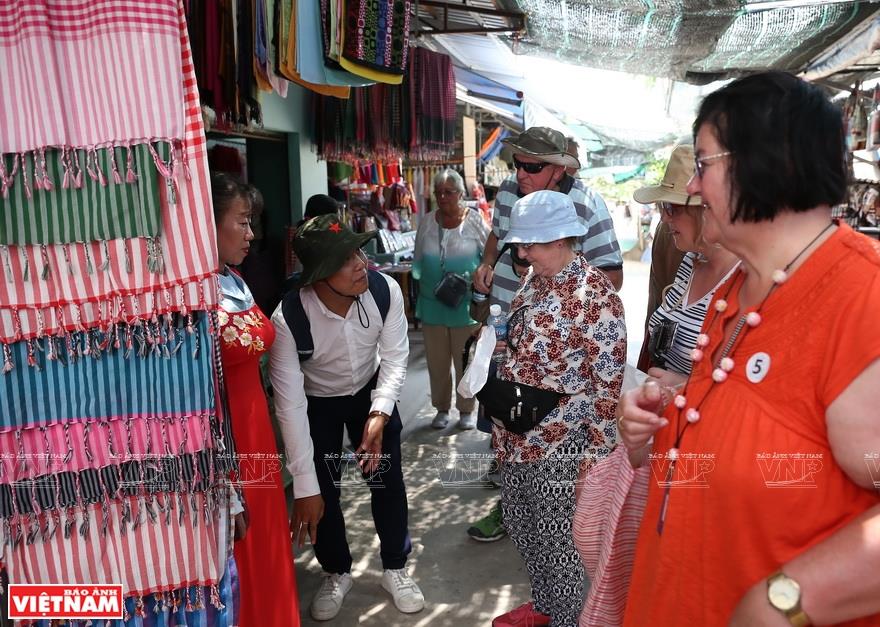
[[335, 227]]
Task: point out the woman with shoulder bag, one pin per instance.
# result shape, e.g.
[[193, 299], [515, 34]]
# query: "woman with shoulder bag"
[[566, 334], [449, 246]]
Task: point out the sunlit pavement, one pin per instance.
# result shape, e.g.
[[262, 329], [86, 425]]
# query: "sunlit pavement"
[[464, 582]]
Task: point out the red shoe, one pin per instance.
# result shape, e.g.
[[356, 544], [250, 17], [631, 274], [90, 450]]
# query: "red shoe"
[[523, 616]]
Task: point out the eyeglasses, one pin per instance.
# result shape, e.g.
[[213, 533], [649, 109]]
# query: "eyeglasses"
[[668, 209], [441, 193], [530, 168], [699, 161]]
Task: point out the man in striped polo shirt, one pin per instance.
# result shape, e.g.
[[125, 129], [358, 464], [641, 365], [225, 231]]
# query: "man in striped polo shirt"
[[541, 156]]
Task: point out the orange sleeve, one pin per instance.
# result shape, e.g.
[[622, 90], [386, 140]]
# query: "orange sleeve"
[[854, 337]]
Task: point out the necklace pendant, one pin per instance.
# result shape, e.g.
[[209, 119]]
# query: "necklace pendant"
[[672, 453]]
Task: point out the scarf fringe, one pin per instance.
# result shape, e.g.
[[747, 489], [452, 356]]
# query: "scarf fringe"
[[31, 165]]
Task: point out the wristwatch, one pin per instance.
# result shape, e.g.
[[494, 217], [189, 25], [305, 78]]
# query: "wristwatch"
[[784, 594]]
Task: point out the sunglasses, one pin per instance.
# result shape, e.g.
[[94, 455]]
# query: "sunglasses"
[[530, 168], [699, 161]]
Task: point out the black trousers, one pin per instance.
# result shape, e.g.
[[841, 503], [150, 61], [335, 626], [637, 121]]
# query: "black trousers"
[[327, 416]]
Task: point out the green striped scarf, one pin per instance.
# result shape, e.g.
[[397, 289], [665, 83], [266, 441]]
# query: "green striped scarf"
[[118, 196]]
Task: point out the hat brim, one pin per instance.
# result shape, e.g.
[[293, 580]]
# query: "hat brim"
[[544, 235], [334, 259], [556, 158], [658, 193]]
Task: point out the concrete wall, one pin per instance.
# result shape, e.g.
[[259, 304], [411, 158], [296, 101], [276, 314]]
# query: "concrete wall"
[[308, 174]]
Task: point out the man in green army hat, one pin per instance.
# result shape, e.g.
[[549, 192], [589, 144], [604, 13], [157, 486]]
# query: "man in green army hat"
[[339, 360]]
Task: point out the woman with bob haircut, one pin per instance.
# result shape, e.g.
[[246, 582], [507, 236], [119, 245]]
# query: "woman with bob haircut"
[[777, 422]]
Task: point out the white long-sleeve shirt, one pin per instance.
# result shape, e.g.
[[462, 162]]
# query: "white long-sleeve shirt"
[[345, 357]]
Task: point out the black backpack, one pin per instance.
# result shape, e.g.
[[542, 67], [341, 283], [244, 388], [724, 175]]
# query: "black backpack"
[[298, 323]]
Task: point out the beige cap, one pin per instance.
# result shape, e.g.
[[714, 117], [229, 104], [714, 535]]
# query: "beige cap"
[[673, 187]]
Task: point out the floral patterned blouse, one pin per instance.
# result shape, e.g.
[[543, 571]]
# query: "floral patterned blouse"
[[566, 333]]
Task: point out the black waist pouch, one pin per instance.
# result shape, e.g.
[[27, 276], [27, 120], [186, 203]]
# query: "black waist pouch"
[[516, 406]]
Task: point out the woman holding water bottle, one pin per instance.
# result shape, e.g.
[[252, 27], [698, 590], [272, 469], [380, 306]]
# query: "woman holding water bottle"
[[449, 246], [566, 334]]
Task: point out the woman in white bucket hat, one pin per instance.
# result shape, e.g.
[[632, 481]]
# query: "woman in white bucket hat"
[[566, 333]]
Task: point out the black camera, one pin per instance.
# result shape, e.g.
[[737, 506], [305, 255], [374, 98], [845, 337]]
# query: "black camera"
[[660, 342]]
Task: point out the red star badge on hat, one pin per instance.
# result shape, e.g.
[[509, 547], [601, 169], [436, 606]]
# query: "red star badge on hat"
[[335, 227]]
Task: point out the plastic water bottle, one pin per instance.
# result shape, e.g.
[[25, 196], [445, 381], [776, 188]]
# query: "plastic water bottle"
[[498, 321]]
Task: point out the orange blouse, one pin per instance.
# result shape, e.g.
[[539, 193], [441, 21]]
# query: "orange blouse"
[[756, 484]]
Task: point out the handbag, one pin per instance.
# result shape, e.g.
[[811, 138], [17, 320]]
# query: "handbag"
[[606, 524], [452, 287], [514, 406]]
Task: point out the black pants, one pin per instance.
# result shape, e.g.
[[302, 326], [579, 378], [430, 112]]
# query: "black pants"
[[387, 492]]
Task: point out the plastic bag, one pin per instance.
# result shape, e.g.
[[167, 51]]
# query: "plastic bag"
[[477, 371]]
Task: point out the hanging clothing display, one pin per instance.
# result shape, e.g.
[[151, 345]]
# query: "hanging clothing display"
[[112, 405], [375, 39], [415, 119]]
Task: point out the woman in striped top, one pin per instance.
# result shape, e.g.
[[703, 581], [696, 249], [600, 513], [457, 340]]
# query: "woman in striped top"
[[674, 326]]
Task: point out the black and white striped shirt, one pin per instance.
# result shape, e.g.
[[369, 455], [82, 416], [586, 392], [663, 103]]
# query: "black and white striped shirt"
[[688, 318]]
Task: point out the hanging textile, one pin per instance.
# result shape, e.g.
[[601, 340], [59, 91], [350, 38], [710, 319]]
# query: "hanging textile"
[[414, 120], [111, 393], [375, 39], [84, 207]]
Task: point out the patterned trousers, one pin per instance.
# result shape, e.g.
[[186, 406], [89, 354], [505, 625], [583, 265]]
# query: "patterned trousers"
[[538, 502]]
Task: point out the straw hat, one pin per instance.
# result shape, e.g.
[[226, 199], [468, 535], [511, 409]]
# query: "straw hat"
[[673, 187]]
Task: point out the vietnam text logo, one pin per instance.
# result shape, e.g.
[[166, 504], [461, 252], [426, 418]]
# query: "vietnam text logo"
[[789, 470], [67, 601]]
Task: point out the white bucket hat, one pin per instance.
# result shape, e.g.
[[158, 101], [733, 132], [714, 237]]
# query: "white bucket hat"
[[542, 217]]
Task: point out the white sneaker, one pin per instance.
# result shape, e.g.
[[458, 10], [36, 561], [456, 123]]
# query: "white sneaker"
[[467, 421], [328, 599], [440, 420], [406, 594]]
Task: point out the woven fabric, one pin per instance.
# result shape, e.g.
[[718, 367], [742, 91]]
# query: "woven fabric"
[[76, 74], [48, 288], [146, 558], [377, 34], [77, 446], [606, 525], [112, 384], [107, 194]]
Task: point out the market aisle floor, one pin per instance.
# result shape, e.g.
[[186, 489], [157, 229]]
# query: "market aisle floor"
[[464, 582]]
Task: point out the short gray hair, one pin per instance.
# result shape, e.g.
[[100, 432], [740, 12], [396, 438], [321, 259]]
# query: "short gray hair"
[[448, 174]]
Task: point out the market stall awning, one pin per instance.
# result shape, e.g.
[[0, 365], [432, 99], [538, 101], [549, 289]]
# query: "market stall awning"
[[490, 94], [693, 40]]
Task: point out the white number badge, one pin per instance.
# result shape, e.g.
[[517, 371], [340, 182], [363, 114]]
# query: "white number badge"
[[757, 367]]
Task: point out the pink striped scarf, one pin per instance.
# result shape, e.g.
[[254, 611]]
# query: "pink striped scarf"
[[47, 289], [150, 558], [89, 73]]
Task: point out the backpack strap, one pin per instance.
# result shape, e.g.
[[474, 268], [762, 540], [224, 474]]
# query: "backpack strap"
[[301, 328], [380, 291]]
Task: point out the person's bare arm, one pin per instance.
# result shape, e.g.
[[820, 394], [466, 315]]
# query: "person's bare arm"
[[484, 273], [615, 276]]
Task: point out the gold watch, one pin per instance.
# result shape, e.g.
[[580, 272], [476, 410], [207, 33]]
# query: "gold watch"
[[784, 594]]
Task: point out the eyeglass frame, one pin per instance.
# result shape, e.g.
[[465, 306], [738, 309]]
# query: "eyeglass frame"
[[671, 209], [699, 161], [529, 167]]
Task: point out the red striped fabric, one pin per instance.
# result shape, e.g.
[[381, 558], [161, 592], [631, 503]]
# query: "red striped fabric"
[[79, 292], [93, 73], [606, 525], [155, 557]]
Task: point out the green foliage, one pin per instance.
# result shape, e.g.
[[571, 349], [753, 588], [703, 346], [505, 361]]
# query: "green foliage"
[[655, 166]]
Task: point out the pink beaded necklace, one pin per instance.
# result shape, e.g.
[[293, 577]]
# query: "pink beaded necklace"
[[723, 365]]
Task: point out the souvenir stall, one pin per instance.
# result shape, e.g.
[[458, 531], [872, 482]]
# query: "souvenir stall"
[[862, 114], [116, 450]]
